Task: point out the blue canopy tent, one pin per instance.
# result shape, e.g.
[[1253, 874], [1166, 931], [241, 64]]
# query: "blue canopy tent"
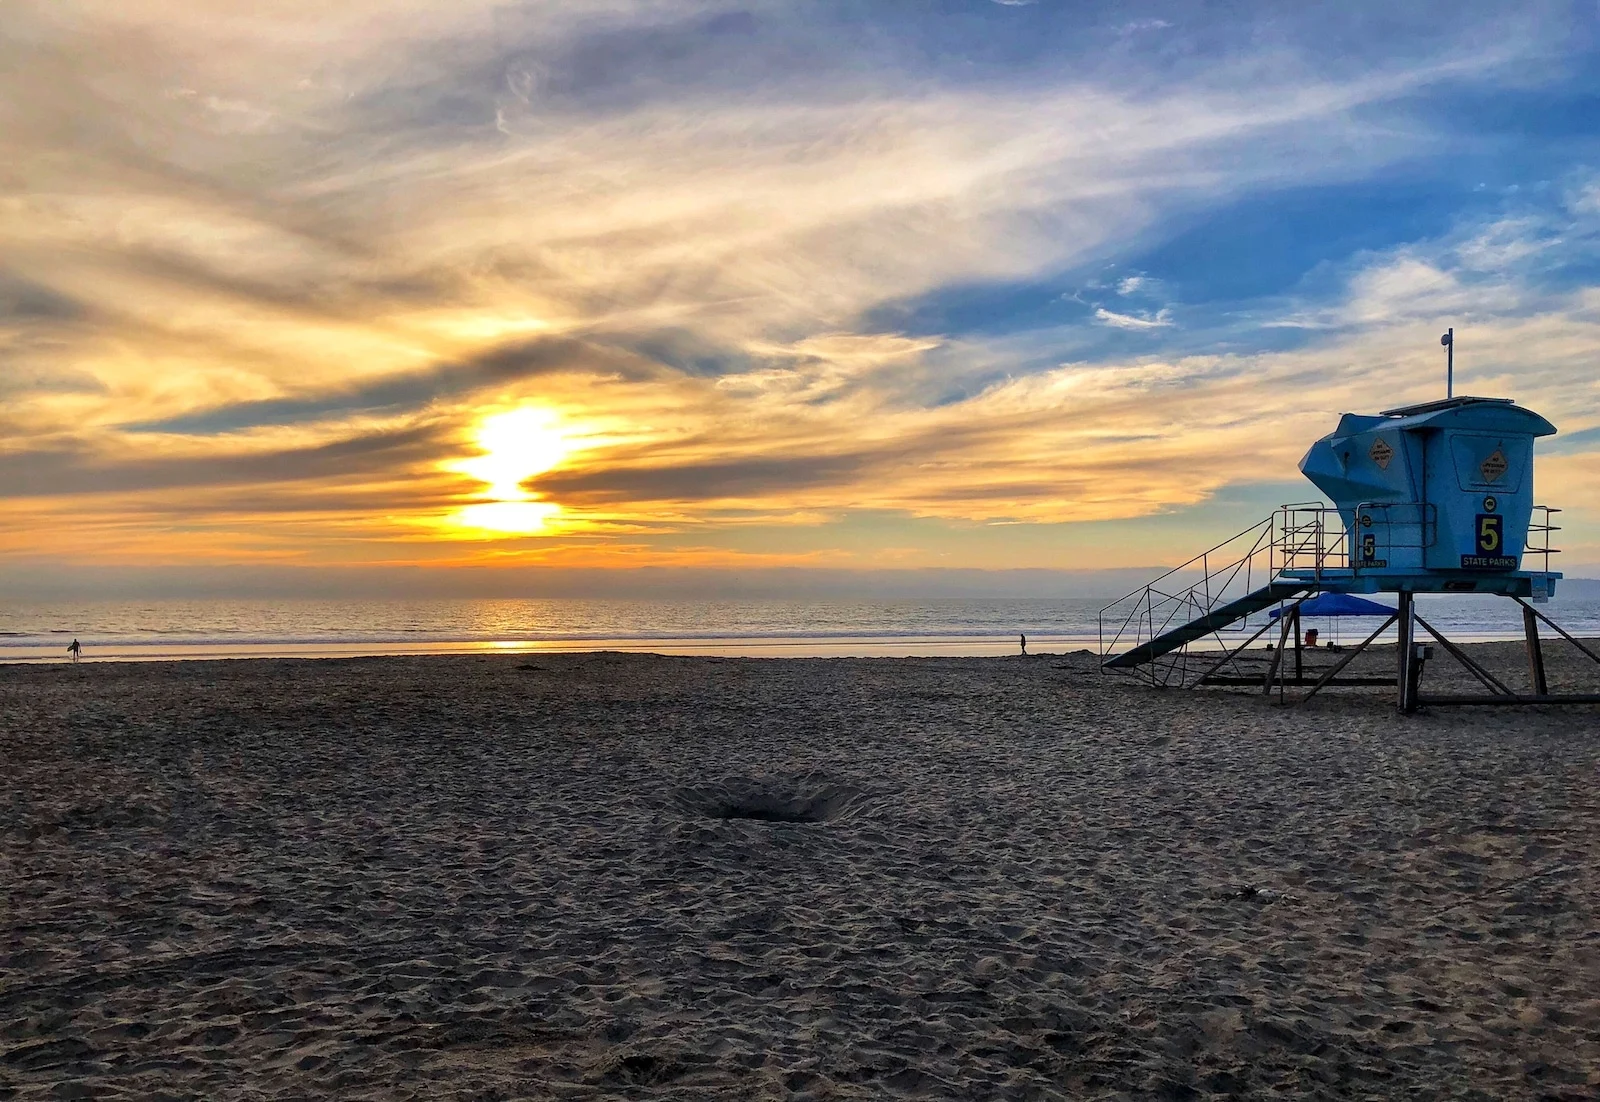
[[1337, 605]]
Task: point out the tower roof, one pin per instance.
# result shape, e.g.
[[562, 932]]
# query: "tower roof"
[[1486, 414]]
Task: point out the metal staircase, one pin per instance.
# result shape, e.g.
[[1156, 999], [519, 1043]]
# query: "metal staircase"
[[1212, 622], [1170, 631]]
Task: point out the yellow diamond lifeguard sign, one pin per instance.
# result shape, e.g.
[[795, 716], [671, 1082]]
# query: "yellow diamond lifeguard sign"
[[1493, 467], [1381, 453]]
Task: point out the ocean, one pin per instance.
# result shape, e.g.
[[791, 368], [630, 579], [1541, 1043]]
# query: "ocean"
[[174, 629]]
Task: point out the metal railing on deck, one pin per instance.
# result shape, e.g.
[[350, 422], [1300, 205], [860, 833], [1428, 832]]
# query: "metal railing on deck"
[[1403, 526], [1312, 537], [1540, 529], [1316, 537]]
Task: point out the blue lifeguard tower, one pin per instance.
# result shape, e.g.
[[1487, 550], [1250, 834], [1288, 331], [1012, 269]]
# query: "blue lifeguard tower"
[[1435, 498], [1430, 498]]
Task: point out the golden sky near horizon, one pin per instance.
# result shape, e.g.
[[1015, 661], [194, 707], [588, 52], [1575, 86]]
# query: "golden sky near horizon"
[[709, 284]]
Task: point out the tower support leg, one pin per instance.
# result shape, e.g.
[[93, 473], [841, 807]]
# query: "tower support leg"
[[1285, 625], [1530, 625], [1406, 689]]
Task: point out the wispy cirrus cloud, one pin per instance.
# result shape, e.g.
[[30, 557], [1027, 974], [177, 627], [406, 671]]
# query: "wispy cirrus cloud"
[[1158, 320]]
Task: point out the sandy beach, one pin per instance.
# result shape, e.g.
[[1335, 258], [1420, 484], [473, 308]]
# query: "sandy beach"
[[604, 875]]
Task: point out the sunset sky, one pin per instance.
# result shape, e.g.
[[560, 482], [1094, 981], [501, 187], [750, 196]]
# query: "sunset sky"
[[469, 285]]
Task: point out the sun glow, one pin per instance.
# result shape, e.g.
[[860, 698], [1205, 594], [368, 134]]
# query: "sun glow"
[[517, 445]]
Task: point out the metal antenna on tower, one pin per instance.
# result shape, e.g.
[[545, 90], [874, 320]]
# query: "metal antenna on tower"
[[1449, 342]]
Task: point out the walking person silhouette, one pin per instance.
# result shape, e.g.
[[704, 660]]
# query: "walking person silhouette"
[[74, 648], [1024, 644]]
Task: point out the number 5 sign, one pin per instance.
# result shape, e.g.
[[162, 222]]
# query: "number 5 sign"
[[1490, 538]]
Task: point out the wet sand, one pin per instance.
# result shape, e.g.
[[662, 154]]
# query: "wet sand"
[[595, 876]]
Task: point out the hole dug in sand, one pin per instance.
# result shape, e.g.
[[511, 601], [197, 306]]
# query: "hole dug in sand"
[[769, 801], [773, 811]]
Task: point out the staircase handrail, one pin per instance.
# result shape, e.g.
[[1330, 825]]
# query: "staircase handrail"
[[1200, 598], [1151, 584]]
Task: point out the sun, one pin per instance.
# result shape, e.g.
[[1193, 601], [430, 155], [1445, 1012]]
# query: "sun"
[[508, 517], [516, 445]]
